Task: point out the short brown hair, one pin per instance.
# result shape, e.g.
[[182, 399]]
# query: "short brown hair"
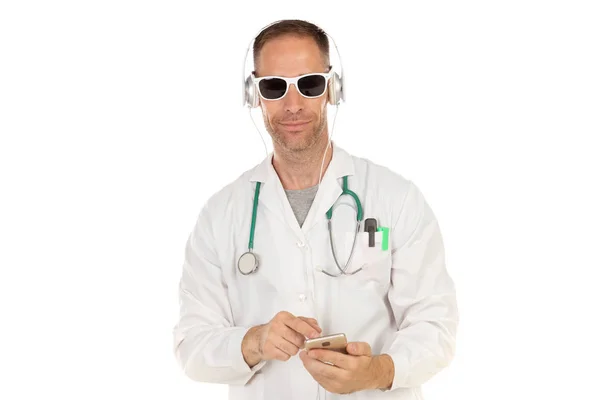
[[293, 27]]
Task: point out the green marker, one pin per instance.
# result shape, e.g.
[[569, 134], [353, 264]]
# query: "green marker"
[[385, 237]]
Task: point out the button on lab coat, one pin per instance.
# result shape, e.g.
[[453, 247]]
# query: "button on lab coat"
[[402, 302]]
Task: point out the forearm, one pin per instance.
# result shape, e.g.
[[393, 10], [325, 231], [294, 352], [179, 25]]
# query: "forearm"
[[214, 355], [421, 351]]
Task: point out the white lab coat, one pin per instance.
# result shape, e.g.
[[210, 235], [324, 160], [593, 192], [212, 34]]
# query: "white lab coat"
[[402, 303]]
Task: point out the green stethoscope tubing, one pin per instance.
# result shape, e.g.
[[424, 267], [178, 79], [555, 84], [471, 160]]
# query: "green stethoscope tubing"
[[253, 225], [329, 214]]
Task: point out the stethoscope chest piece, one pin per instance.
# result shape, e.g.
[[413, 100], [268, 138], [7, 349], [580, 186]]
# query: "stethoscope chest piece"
[[248, 263]]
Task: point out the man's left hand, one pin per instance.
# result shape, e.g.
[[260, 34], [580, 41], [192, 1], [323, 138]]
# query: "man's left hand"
[[352, 372]]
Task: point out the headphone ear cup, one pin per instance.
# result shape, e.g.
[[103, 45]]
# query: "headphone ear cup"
[[246, 92], [335, 89], [342, 93], [250, 95]]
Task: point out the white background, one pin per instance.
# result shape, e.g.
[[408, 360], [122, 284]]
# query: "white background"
[[106, 114]]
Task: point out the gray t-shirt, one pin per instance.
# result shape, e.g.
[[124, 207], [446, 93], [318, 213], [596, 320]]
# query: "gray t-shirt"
[[301, 200]]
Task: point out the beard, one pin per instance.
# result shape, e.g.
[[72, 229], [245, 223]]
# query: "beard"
[[297, 140]]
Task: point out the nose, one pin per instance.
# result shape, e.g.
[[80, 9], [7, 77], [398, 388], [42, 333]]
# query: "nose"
[[293, 100]]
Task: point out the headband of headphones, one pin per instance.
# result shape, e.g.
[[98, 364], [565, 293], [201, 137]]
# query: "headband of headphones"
[[336, 91]]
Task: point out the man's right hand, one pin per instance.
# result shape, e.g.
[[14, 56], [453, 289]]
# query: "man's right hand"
[[279, 339]]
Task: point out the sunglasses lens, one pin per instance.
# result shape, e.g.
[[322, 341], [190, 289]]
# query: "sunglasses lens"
[[312, 85], [272, 88]]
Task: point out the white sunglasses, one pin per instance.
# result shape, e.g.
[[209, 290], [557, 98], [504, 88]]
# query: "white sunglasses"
[[308, 85]]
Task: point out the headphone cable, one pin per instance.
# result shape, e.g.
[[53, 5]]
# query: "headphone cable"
[[328, 144]]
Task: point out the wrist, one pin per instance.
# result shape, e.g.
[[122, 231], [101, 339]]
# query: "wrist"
[[384, 372], [250, 346]]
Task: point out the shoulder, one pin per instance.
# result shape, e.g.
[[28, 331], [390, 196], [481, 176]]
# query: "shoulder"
[[409, 211], [220, 204], [398, 193], [381, 178]]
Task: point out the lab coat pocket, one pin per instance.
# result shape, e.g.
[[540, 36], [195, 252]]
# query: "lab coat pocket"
[[372, 263]]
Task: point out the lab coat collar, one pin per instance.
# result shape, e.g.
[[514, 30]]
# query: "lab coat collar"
[[273, 197]]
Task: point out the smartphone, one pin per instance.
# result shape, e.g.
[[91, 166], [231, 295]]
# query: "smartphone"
[[336, 342]]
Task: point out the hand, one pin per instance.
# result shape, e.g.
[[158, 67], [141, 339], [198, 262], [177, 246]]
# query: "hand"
[[279, 339], [352, 372]]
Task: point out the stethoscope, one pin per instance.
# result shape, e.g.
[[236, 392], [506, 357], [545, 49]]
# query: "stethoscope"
[[248, 262]]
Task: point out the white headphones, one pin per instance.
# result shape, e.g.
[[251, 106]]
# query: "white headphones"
[[336, 90]]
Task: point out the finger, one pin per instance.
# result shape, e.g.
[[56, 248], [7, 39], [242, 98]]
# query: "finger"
[[310, 365], [286, 346], [306, 360], [272, 350], [279, 354], [315, 367], [291, 336], [312, 322], [359, 349], [281, 329], [323, 371], [302, 327], [338, 359]]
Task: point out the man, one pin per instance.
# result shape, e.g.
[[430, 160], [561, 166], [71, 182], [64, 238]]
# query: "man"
[[395, 302]]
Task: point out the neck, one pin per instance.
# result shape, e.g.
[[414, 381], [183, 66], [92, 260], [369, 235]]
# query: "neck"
[[300, 170]]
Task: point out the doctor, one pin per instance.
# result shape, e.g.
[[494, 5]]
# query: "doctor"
[[313, 241]]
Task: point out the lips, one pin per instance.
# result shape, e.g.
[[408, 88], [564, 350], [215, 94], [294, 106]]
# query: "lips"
[[295, 123]]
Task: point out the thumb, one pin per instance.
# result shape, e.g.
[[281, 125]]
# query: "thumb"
[[359, 349]]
